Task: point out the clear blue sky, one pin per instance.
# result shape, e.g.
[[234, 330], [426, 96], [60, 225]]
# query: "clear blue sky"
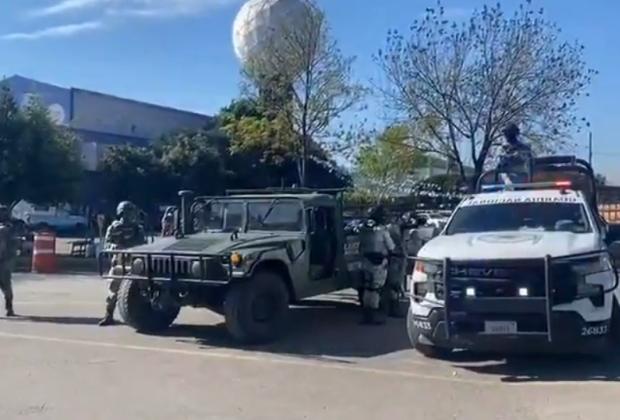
[[179, 52]]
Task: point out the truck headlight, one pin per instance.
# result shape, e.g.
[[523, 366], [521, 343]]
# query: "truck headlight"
[[425, 275], [431, 270], [582, 279], [592, 265], [236, 259], [138, 267], [197, 269]]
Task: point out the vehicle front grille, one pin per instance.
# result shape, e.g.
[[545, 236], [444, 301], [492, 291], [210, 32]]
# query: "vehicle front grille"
[[213, 269], [164, 266], [499, 279]]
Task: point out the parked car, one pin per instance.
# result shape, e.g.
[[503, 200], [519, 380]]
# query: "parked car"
[[44, 217]]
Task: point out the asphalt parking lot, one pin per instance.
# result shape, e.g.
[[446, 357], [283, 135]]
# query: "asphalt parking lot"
[[57, 364]]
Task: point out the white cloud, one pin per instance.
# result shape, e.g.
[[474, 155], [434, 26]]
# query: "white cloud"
[[65, 6], [140, 8], [54, 31], [103, 12]]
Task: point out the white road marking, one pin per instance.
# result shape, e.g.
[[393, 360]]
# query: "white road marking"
[[249, 358]]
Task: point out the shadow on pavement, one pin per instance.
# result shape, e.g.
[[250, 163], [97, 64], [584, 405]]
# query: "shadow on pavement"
[[549, 368], [316, 329], [66, 320]]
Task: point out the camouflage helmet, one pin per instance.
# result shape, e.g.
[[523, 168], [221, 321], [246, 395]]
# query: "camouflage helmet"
[[511, 132], [5, 213], [125, 208], [377, 213]]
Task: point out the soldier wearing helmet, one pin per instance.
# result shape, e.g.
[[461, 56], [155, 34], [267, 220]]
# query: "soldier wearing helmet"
[[396, 277], [516, 158], [125, 232], [7, 256], [168, 221], [376, 245]]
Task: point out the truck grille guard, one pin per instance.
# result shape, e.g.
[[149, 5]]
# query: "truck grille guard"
[[539, 304], [166, 266]]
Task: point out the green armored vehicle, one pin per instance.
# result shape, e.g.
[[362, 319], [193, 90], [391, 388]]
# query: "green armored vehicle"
[[247, 255]]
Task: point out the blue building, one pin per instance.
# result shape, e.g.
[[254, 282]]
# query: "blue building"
[[101, 121]]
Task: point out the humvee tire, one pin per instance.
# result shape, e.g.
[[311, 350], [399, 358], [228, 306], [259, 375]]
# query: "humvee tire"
[[256, 309], [432, 352], [137, 312]]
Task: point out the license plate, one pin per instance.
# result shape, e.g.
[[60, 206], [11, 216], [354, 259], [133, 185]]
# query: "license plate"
[[500, 327]]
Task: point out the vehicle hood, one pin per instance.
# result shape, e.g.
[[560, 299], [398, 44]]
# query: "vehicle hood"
[[511, 245], [219, 243]]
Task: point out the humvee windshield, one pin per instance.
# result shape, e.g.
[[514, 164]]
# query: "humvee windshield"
[[251, 215]]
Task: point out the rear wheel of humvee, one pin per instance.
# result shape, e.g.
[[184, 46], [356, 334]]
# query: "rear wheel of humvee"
[[256, 309], [136, 310]]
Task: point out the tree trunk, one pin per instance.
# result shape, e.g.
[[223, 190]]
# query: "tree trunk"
[[304, 161], [478, 168]]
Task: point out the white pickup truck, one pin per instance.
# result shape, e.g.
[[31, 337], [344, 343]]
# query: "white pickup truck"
[[520, 267], [56, 218]]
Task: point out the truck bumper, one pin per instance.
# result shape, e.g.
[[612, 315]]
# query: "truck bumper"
[[572, 334]]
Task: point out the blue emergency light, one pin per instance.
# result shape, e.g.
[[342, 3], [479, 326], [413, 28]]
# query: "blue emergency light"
[[527, 186]]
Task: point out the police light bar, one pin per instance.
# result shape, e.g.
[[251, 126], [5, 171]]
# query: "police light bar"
[[528, 186]]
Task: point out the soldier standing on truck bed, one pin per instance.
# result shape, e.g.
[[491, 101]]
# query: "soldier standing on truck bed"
[[123, 233], [376, 246], [7, 255]]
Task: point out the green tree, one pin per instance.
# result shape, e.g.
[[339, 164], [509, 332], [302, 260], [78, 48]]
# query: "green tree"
[[386, 167], [474, 78], [256, 132], [263, 143], [39, 161], [136, 174], [193, 162], [304, 78]]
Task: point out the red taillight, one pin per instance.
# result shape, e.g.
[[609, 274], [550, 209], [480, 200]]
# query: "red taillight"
[[563, 184], [419, 267]]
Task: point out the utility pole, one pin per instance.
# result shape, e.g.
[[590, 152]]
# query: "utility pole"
[[590, 148]]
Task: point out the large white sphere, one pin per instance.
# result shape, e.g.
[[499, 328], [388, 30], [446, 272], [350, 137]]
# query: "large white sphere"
[[260, 23]]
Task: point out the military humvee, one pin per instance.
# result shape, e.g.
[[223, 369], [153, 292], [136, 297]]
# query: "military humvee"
[[247, 255]]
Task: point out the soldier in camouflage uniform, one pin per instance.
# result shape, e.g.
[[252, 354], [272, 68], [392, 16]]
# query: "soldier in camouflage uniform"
[[7, 255], [397, 263], [123, 233], [376, 245]]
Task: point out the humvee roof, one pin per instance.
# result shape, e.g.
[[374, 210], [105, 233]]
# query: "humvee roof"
[[312, 198]]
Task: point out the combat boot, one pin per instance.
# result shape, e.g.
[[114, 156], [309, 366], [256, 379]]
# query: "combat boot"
[[107, 320], [9, 308]]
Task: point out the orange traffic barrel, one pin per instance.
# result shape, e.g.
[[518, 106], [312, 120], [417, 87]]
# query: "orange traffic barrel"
[[44, 252]]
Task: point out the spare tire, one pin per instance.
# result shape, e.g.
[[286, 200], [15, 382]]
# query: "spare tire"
[[256, 309], [137, 311]]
